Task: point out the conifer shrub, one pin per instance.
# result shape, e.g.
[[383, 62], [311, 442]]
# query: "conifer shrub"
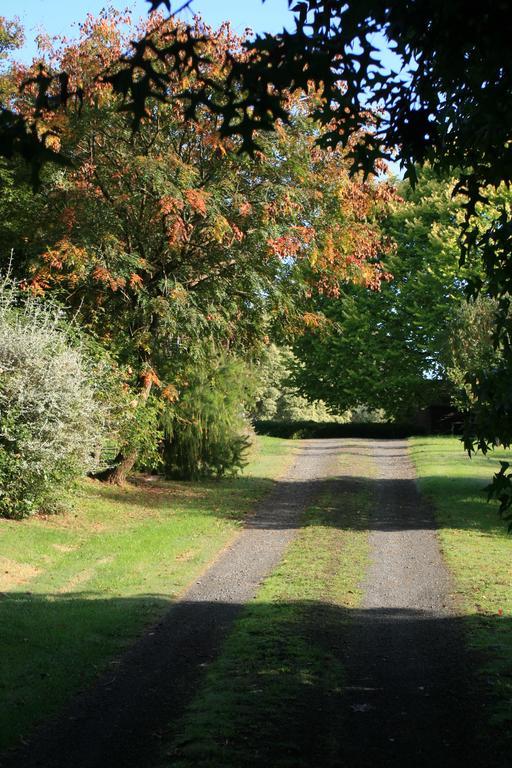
[[206, 430], [52, 420]]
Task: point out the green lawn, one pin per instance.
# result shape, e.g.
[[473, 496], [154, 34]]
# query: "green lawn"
[[75, 589], [273, 696], [478, 551]]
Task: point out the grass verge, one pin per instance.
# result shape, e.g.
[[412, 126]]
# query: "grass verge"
[[77, 588], [478, 551], [272, 697]]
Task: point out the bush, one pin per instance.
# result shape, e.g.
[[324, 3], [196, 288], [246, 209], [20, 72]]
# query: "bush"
[[206, 432], [51, 421]]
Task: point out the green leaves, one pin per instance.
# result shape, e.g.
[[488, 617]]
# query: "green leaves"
[[205, 430], [501, 489], [389, 348]]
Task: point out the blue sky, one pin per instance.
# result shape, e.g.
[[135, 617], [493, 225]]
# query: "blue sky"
[[60, 18]]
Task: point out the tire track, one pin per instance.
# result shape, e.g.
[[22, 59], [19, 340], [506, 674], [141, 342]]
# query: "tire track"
[[410, 699]]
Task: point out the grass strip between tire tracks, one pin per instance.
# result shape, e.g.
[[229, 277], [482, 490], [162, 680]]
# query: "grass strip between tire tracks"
[[272, 697]]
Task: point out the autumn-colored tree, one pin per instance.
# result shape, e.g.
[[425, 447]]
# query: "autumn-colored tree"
[[11, 36], [167, 241]]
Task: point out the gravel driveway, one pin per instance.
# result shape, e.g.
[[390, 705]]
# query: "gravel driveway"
[[119, 722], [408, 702], [409, 698]]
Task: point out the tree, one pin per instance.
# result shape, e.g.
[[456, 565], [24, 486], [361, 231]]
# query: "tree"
[[449, 104], [398, 348], [470, 354], [167, 242], [207, 432], [277, 399], [11, 36]]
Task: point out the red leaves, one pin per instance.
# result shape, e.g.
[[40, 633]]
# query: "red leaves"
[[170, 206], [68, 217], [102, 275], [238, 234], [197, 200], [177, 231], [245, 209], [291, 245], [284, 247], [149, 377], [135, 281]]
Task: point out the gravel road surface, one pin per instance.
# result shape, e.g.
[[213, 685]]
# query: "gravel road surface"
[[409, 701]]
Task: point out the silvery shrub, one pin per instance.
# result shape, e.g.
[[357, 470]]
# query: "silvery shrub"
[[52, 421]]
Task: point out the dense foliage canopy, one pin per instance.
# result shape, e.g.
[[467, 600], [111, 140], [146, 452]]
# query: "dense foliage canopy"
[[168, 245], [395, 348], [172, 246]]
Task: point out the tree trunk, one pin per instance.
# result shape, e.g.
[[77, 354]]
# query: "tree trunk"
[[124, 461], [117, 474]]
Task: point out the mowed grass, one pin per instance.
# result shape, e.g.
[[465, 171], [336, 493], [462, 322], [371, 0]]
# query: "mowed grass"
[[478, 551], [77, 588], [273, 696]]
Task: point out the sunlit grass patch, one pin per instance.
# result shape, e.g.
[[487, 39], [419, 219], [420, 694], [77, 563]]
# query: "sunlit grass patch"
[[77, 588], [478, 551]]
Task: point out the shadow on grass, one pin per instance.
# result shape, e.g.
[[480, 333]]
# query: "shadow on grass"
[[288, 684], [394, 499], [297, 684], [398, 505], [229, 496]]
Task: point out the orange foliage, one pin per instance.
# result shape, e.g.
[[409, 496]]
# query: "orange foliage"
[[69, 217], [245, 209], [135, 280], [170, 205], [238, 234], [149, 377], [313, 319], [284, 247], [197, 200], [324, 222], [170, 393], [102, 275]]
